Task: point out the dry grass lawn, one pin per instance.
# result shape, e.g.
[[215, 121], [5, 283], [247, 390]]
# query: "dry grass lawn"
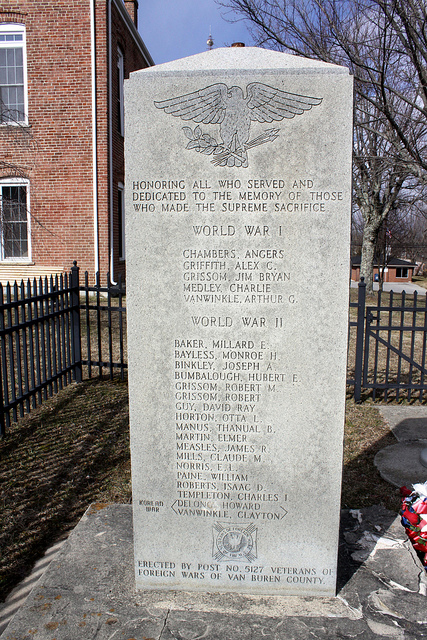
[[74, 450], [70, 452]]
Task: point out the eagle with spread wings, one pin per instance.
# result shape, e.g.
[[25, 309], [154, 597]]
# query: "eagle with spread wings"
[[234, 113]]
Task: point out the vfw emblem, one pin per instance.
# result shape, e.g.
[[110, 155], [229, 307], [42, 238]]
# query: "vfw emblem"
[[234, 542], [234, 112]]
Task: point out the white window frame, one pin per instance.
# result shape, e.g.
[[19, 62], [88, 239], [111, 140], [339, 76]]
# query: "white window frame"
[[404, 272], [11, 28], [120, 96], [13, 182], [121, 197]]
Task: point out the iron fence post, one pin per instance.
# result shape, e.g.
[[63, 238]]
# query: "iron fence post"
[[359, 340], [75, 323], [2, 411]]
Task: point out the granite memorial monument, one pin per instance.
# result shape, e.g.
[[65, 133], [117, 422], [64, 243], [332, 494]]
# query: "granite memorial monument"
[[238, 199]]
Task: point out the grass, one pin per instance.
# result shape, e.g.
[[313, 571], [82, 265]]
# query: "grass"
[[74, 450], [365, 434], [420, 280], [70, 452]]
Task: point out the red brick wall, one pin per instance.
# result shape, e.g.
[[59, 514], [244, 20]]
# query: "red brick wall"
[[389, 276], [55, 151], [133, 60], [132, 9]]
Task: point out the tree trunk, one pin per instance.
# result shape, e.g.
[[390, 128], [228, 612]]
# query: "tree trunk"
[[370, 234]]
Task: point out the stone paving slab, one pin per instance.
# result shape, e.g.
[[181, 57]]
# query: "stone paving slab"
[[400, 463], [407, 422], [19, 594], [88, 592]]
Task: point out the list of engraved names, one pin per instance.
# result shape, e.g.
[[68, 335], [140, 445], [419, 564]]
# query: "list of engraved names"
[[236, 280]]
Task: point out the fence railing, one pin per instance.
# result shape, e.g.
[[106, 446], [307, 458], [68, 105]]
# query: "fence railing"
[[55, 331], [394, 361], [356, 343], [103, 328], [388, 354]]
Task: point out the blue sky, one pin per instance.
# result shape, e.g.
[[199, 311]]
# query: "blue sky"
[[173, 29]]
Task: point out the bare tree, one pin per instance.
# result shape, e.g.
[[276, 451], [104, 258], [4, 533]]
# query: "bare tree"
[[381, 182], [375, 39], [402, 80], [15, 135], [18, 157], [405, 235]]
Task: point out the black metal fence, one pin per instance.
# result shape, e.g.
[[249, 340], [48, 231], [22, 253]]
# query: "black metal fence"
[[355, 342], [387, 356], [55, 331], [103, 328]]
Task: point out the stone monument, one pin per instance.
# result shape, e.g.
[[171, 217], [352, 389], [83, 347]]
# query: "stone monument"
[[238, 190]]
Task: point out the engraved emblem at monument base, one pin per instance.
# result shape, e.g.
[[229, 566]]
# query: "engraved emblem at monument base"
[[238, 191]]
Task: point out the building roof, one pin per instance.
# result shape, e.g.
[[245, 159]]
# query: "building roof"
[[391, 262], [134, 31]]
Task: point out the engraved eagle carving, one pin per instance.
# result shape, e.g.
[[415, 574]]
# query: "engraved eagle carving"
[[235, 541], [234, 112]]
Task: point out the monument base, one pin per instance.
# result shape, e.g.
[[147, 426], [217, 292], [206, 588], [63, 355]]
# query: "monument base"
[[88, 591]]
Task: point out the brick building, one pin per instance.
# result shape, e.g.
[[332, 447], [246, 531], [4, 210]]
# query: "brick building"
[[396, 269], [62, 66]]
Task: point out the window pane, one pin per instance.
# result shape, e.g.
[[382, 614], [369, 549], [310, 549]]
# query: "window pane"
[[10, 57], [11, 37], [12, 104], [12, 108], [14, 221], [11, 75]]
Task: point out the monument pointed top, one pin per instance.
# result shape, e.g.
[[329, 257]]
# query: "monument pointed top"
[[226, 58]]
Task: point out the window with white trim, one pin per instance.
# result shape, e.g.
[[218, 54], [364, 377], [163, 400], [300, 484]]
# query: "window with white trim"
[[120, 83], [13, 74], [401, 272], [14, 219], [121, 219]]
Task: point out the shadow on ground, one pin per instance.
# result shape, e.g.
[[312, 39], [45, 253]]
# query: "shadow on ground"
[[366, 433], [72, 451]]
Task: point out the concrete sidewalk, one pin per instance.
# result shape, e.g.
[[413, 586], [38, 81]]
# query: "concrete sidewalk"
[[88, 592], [400, 463], [397, 287]]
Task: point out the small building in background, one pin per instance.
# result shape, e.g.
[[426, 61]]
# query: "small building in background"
[[62, 67], [396, 270]]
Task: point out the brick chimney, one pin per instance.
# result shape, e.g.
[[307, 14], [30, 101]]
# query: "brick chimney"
[[132, 9]]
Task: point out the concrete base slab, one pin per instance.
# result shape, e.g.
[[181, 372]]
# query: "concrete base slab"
[[400, 463], [88, 591], [18, 596], [407, 423]]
